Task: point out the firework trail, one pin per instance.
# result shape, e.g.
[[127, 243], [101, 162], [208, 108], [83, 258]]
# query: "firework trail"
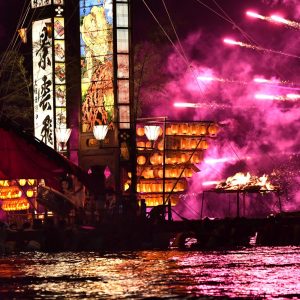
[[277, 97], [274, 19], [282, 84], [249, 46]]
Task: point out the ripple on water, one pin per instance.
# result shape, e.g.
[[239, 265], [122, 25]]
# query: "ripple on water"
[[247, 273]]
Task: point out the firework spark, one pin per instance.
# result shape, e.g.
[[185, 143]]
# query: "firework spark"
[[277, 97], [210, 105], [289, 23], [274, 19], [263, 80], [206, 183], [282, 84], [255, 15], [244, 45], [186, 104]]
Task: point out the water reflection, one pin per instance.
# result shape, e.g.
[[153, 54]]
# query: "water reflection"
[[255, 272]]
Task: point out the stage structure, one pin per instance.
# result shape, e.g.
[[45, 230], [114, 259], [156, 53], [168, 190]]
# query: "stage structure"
[[166, 161]]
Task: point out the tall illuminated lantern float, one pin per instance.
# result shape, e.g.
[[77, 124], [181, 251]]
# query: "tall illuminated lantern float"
[[49, 71], [106, 87]]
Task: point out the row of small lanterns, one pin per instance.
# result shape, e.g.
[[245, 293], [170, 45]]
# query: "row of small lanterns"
[[157, 159], [13, 192], [21, 182], [185, 129], [13, 205], [181, 144], [157, 187], [149, 173]]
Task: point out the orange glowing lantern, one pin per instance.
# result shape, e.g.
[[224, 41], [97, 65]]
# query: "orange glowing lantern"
[[160, 146], [183, 158], [183, 129], [29, 193], [126, 186], [194, 129], [140, 145], [140, 131], [141, 160], [153, 159], [14, 205], [160, 173], [168, 130], [203, 145], [201, 130], [31, 181], [213, 129], [22, 182], [194, 143], [173, 173], [160, 131], [174, 129]]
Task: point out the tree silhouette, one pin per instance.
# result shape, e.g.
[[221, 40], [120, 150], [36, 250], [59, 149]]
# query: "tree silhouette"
[[15, 90]]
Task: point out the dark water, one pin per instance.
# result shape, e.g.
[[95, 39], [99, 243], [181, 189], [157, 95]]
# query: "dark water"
[[256, 273]]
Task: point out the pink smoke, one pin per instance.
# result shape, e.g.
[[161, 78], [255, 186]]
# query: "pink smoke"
[[257, 136]]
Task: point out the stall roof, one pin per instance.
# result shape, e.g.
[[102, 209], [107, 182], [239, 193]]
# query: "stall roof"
[[24, 156]]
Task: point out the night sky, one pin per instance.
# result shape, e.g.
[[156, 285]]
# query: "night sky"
[[257, 135]]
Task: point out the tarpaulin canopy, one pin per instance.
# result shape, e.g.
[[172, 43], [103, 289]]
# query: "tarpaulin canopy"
[[24, 156]]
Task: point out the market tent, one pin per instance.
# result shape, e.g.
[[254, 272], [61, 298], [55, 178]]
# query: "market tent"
[[24, 156]]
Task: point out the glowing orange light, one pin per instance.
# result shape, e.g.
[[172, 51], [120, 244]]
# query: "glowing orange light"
[[14, 205]]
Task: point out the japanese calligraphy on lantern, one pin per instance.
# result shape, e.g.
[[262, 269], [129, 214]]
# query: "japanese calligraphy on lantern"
[[43, 82]]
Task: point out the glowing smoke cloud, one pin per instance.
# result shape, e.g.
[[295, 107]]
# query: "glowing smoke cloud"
[[260, 137]]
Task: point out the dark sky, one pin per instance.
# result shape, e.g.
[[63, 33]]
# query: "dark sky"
[[189, 15]]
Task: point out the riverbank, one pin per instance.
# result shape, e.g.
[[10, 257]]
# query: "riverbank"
[[141, 234]]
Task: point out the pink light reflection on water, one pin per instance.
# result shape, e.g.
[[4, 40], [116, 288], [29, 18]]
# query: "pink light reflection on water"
[[254, 272]]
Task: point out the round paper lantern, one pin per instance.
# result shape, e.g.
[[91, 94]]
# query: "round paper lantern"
[[213, 129], [141, 160], [140, 145], [160, 146], [140, 131]]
